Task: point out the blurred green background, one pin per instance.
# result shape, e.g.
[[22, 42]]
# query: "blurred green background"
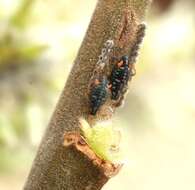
[[38, 43]]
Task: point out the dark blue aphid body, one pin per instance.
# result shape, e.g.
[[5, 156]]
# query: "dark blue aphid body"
[[119, 77], [98, 95]]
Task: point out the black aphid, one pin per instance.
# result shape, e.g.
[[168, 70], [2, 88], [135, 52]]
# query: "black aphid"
[[119, 77], [98, 94], [124, 69]]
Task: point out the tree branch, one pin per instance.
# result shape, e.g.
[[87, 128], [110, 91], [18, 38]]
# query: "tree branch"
[[64, 160]]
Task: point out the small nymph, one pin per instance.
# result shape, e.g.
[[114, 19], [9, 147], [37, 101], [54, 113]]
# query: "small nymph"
[[120, 76], [98, 94]]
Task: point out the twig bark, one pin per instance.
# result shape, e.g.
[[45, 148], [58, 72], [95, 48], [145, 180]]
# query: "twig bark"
[[63, 160]]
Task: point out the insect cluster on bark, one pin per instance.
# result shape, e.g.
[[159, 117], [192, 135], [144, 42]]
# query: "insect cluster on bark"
[[113, 83]]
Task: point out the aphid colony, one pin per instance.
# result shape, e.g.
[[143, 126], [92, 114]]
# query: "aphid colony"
[[119, 78], [117, 81]]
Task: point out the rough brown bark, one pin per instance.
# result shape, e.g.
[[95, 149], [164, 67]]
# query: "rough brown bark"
[[69, 163]]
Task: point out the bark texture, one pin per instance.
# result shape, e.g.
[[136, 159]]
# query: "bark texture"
[[63, 161]]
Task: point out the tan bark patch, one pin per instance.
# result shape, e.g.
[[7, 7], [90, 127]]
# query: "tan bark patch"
[[75, 139]]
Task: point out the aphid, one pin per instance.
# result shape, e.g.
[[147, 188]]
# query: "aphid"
[[98, 94], [120, 75], [124, 69]]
